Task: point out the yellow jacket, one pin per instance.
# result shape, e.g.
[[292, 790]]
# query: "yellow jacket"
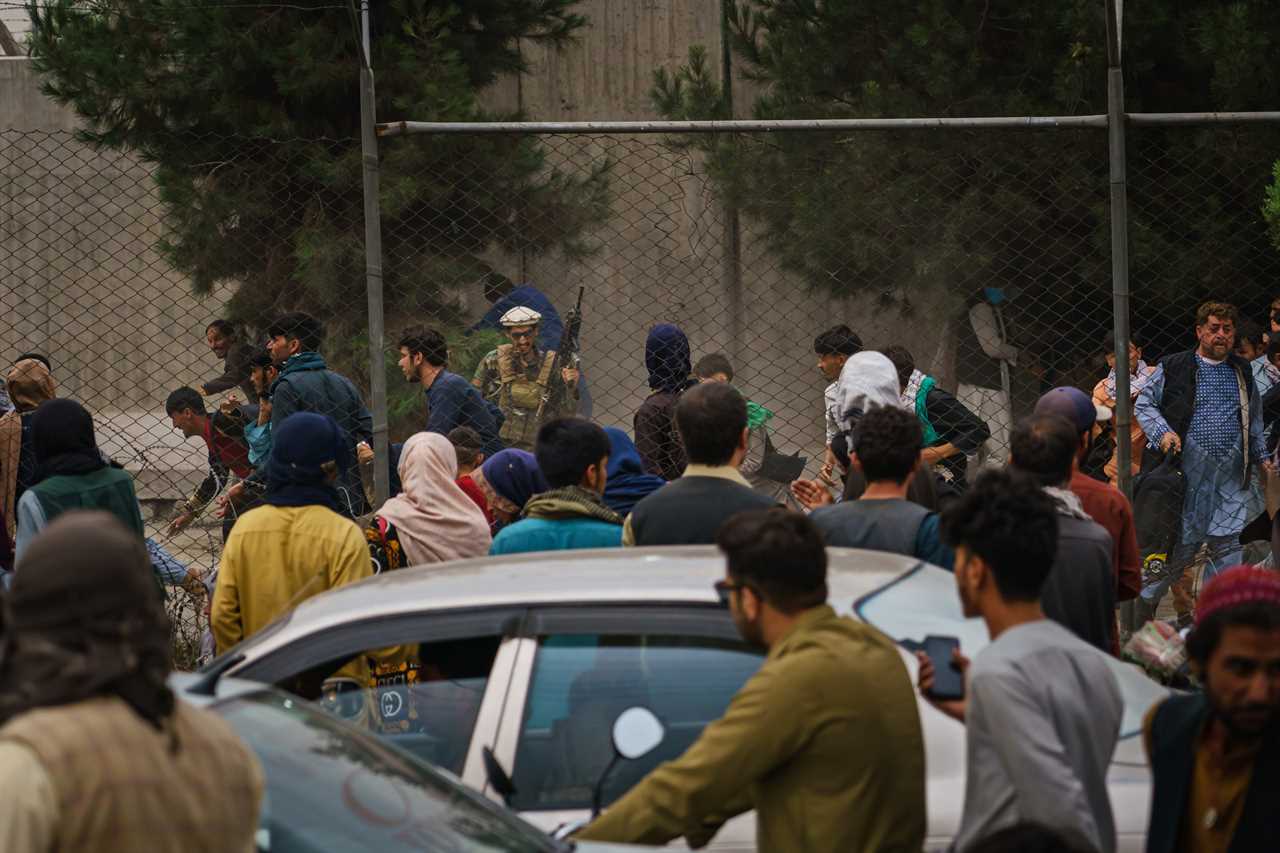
[[824, 741], [277, 556]]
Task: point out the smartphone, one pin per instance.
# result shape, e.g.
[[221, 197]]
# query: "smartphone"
[[948, 680]]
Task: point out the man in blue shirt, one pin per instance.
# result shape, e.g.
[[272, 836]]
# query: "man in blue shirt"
[[451, 400]]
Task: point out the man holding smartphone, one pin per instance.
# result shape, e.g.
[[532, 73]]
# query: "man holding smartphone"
[[1042, 709]]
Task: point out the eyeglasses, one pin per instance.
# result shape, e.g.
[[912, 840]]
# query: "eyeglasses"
[[724, 590], [520, 336]]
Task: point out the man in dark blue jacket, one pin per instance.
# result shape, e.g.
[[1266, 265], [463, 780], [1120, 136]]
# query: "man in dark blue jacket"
[[306, 384], [451, 400]]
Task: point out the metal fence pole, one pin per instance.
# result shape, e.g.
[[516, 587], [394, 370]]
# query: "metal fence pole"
[[1116, 119], [373, 267]]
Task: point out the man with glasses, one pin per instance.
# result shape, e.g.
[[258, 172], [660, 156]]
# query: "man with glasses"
[[823, 742], [523, 382]]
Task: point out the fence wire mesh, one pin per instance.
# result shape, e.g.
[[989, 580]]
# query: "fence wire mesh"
[[982, 256]]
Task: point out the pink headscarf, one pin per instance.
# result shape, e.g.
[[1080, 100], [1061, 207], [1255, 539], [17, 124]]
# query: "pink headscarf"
[[434, 518]]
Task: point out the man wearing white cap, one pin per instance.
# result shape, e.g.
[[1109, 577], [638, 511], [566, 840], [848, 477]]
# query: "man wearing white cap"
[[518, 377]]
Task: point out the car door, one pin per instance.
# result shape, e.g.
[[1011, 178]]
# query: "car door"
[[577, 668], [432, 683]]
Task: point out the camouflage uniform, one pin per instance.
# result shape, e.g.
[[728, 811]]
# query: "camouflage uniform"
[[518, 386]]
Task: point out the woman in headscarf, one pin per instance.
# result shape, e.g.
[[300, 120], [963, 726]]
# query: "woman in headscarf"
[[432, 520], [627, 481], [29, 384], [508, 479], [299, 533], [666, 356], [867, 380], [71, 474]]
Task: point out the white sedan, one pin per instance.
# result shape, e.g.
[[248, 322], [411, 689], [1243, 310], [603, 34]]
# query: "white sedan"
[[532, 657]]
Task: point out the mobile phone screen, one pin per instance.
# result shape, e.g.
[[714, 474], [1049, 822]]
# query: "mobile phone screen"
[[948, 680]]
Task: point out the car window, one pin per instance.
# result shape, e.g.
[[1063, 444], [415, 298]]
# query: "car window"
[[424, 697], [924, 602], [581, 682], [330, 787]]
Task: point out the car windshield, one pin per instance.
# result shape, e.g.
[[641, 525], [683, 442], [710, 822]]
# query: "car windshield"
[[331, 787], [923, 601]]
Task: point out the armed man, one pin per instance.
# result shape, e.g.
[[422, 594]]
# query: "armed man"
[[529, 385]]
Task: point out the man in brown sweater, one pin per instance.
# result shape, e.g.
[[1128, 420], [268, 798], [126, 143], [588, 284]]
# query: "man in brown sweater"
[[95, 751]]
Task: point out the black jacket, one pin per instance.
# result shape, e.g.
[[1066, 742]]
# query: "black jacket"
[[690, 510]]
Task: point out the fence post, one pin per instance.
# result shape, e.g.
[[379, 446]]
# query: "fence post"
[[373, 267], [1116, 119]]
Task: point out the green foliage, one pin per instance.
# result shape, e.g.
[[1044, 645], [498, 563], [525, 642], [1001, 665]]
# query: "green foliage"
[[1271, 205], [250, 113], [928, 216]]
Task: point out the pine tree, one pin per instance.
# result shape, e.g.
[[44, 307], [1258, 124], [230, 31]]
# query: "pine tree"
[[917, 216], [250, 115]]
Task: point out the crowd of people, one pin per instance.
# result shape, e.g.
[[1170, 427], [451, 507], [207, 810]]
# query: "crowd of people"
[[1043, 548]]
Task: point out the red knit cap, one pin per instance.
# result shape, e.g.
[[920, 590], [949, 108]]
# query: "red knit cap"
[[1238, 585]]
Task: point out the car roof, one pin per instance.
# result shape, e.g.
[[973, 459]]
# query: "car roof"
[[682, 574]]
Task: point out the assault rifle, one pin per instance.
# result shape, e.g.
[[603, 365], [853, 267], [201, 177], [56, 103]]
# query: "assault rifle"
[[566, 352]]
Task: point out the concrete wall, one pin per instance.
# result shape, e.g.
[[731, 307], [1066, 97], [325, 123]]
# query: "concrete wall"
[[81, 281]]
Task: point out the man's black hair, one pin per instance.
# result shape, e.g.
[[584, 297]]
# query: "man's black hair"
[[902, 362], [711, 364], [1273, 348], [1006, 519], [261, 358], [307, 330], [710, 419], [1109, 343], [838, 340], [1044, 446], [780, 554], [567, 447], [226, 328], [185, 398], [43, 359], [1204, 638], [466, 444], [428, 343], [887, 441], [1249, 330]]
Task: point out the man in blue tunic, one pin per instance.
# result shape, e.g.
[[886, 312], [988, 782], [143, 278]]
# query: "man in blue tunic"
[[1204, 404]]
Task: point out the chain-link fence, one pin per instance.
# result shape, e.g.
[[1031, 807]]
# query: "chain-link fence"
[[981, 255]]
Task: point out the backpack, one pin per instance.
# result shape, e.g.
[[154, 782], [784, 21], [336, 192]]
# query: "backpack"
[[1157, 513]]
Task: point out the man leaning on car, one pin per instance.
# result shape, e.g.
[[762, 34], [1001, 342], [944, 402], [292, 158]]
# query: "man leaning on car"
[[824, 741]]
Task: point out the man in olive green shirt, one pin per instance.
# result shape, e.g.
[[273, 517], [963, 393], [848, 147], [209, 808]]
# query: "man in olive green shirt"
[[824, 742]]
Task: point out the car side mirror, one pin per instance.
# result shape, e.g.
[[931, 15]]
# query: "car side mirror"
[[497, 777], [637, 731]]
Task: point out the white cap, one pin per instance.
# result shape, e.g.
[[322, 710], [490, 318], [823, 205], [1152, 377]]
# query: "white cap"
[[520, 316]]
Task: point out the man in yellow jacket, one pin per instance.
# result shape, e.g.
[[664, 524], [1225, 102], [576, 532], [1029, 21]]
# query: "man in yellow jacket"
[[824, 741], [297, 544]]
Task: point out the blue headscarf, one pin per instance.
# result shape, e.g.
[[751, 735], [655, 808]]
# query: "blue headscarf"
[[514, 475], [666, 355], [627, 482], [303, 444]]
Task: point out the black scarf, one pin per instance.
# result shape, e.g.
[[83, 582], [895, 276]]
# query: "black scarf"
[[62, 432], [306, 452]]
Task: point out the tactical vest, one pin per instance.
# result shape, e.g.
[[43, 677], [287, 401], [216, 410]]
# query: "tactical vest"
[[520, 396]]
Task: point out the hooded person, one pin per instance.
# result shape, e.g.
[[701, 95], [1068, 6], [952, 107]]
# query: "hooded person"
[[627, 482], [299, 533], [71, 473], [508, 479], [867, 380], [433, 520], [95, 752], [29, 384], [667, 358]]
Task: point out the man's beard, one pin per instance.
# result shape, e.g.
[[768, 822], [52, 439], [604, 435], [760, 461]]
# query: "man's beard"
[[749, 632], [1229, 717]]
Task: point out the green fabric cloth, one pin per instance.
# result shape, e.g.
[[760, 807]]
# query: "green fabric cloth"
[[922, 411], [757, 415], [109, 489]]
